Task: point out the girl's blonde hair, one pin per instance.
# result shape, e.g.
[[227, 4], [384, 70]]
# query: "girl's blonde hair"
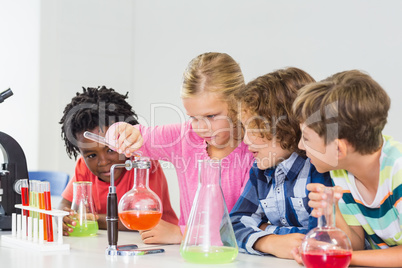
[[214, 72]]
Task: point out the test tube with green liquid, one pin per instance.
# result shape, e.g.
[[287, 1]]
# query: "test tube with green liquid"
[[32, 199]]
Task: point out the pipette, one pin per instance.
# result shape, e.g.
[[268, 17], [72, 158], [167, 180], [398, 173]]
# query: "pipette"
[[98, 139]]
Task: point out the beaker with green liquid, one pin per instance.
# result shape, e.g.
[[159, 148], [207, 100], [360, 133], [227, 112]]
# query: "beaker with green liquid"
[[209, 236], [84, 210]]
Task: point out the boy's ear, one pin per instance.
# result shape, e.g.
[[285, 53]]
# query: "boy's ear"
[[342, 148]]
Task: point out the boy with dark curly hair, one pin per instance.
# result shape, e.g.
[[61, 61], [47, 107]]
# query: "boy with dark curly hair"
[[94, 110]]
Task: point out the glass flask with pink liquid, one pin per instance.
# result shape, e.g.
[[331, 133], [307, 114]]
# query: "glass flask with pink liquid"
[[326, 246]]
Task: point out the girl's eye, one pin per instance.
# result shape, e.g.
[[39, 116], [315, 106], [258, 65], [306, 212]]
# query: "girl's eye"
[[110, 151], [211, 116], [193, 118]]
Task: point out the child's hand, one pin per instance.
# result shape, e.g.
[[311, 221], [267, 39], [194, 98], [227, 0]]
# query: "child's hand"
[[280, 246], [68, 220], [126, 138], [297, 256], [163, 233], [317, 197]]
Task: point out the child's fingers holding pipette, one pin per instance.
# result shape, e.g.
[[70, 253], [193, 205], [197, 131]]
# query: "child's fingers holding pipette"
[[130, 142], [130, 139], [127, 138]]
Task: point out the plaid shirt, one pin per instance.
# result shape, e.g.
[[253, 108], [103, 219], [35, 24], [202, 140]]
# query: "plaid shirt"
[[276, 195]]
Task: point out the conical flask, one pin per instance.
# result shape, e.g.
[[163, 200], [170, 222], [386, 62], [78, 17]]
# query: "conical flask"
[[209, 236], [326, 246], [140, 208], [84, 210]]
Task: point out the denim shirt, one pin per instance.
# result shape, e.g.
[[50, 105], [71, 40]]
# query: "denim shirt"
[[277, 196]]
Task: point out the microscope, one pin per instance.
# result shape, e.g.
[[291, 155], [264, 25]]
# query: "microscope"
[[12, 171]]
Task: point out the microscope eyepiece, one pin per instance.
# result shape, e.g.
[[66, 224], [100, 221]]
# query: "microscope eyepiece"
[[5, 94]]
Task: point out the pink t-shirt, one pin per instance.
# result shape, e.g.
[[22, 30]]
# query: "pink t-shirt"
[[181, 146], [100, 189]]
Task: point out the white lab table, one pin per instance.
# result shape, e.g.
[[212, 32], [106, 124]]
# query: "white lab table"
[[89, 252]]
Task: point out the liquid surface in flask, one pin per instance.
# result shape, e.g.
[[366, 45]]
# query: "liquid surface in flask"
[[211, 255], [140, 220], [332, 258], [89, 228]]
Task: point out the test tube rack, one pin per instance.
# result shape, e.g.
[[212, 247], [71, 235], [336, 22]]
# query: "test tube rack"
[[22, 238]]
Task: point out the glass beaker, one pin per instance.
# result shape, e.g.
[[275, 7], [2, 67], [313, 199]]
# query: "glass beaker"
[[209, 236], [140, 208], [84, 210], [326, 246]]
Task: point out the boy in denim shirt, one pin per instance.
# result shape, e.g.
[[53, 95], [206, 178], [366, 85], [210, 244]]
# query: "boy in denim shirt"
[[272, 214]]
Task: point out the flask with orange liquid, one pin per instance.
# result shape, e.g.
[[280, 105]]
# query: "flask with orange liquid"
[[140, 208]]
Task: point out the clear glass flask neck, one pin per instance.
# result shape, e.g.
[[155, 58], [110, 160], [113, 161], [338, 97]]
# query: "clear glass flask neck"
[[141, 178], [209, 172], [82, 192], [327, 219]]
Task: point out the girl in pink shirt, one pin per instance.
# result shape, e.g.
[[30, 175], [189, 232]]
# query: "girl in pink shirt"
[[213, 131]]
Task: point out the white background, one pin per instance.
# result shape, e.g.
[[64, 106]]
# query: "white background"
[[49, 49]]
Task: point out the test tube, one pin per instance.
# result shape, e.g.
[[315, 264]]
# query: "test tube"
[[41, 231], [19, 225], [29, 228], [48, 206], [35, 230], [14, 224], [25, 196], [25, 202], [24, 227], [32, 197], [42, 206], [32, 203]]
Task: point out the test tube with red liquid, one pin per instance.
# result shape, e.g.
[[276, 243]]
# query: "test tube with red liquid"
[[25, 196], [48, 206]]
